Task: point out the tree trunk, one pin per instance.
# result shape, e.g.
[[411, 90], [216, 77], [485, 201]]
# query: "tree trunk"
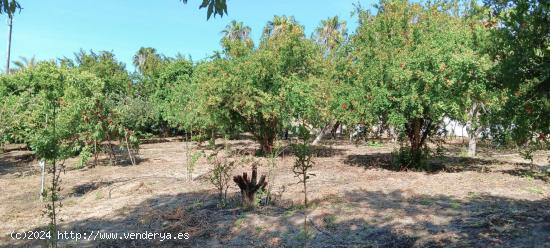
[[42, 164], [305, 191], [335, 129], [132, 160], [392, 134], [10, 25], [417, 131], [472, 143], [266, 144], [326, 130], [250, 186], [95, 153], [213, 137], [473, 130], [248, 199]]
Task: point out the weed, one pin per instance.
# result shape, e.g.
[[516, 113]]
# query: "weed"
[[425, 201], [455, 205], [329, 220], [98, 195], [196, 204], [374, 144], [535, 190], [240, 220]]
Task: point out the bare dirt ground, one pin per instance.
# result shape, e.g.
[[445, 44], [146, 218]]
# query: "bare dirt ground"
[[496, 200]]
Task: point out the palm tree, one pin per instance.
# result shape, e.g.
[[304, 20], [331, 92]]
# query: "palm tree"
[[216, 7], [236, 31], [9, 7], [24, 63], [236, 40], [281, 24], [331, 33], [146, 59]]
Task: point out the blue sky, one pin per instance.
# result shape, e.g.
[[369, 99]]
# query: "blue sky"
[[56, 28]]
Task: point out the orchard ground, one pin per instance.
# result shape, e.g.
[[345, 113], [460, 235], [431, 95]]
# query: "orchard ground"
[[357, 200]]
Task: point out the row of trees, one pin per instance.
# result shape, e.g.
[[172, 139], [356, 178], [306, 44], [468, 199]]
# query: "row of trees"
[[407, 67]]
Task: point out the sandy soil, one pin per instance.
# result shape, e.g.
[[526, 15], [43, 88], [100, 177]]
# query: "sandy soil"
[[357, 200]]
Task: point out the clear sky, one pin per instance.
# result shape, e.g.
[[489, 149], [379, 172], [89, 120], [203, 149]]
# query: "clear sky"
[[56, 28]]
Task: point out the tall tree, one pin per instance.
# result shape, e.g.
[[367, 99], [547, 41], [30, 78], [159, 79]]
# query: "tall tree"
[[522, 46], [265, 91], [408, 61], [9, 7], [331, 33], [147, 60], [216, 7], [236, 31], [24, 63], [236, 39], [282, 24]]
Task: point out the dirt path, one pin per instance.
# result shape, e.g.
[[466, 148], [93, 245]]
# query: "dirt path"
[[357, 202]]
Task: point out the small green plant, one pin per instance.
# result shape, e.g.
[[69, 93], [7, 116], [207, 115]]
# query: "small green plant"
[[220, 175], [260, 195], [330, 220], [277, 150], [240, 220], [85, 155], [192, 159], [425, 201], [535, 190], [528, 154], [304, 162], [374, 144], [404, 158], [455, 205], [368, 244], [304, 236], [98, 195], [197, 203]]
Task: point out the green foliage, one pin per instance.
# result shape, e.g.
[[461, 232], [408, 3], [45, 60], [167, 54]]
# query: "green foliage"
[[220, 176], [414, 64], [171, 91], [408, 66], [236, 40], [405, 158], [520, 44], [192, 159], [216, 7], [304, 161], [103, 65], [9, 7], [147, 61], [91, 103], [264, 91], [74, 95]]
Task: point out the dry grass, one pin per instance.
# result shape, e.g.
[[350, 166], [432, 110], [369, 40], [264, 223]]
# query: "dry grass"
[[356, 201]]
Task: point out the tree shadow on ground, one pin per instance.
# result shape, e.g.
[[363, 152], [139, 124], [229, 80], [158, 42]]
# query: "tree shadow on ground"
[[16, 161], [122, 159], [286, 151], [481, 220], [445, 163], [540, 172], [353, 219], [23, 163]]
